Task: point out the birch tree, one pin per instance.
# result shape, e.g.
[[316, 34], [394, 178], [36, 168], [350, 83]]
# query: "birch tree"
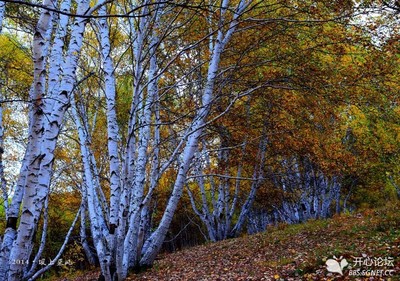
[[229, 192], [119, 224], [177, 77], [3, 184], [307, 193], [154, 242], [49, 96], [121, 235], [2, 12]]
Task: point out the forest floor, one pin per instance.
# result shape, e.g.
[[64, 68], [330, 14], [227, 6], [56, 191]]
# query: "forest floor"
[[368, 240]]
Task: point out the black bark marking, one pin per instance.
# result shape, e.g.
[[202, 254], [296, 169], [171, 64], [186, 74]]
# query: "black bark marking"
[[27, 211], [113, 226], [12, 222]]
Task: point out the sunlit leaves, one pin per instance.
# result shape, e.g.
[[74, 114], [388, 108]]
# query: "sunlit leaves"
[[15, 68]]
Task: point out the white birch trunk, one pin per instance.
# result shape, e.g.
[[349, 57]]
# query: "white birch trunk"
[[28, 173], [37, 183], [133, 240], [208, 217], [56, 54], [97, 224], [151, 107], [2, 14], [154, 243], [83, 236], [125, 246], [204, 212], [37, 274], [112, 125], [113, 134], [258, 178], [219, 219], [130, 246], [3, 183], [137, 54], [39, 253]]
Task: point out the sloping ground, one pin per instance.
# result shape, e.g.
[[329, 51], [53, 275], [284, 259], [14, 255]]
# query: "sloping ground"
[[369, 241]]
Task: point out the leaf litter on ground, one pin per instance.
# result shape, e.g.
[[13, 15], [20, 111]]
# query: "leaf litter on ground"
[[287, 252]]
